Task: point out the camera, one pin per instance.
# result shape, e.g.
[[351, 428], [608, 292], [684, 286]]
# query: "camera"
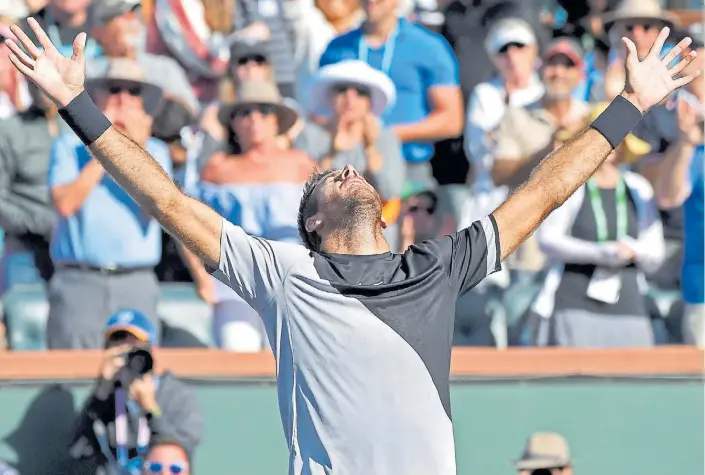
[[138, 362]]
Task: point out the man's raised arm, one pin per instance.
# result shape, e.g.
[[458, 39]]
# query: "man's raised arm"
[[62, 79], [557, 177]]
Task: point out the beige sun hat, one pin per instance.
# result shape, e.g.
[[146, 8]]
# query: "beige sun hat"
[[127, 73], [259, 92], [630, 10], [544, 450]]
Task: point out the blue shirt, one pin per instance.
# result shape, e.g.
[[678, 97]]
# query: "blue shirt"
[[109, 229], [694, 256], [415, 59]]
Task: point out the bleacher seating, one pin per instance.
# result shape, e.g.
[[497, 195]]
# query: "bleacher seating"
[[185, 319]]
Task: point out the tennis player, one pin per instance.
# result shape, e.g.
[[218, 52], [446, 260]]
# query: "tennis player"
[[362, 336]]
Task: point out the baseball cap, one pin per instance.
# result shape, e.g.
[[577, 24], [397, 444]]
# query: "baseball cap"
[[107, 10], [506, 31], [544, 450], [133, 322], [567, 47], [246, 48]]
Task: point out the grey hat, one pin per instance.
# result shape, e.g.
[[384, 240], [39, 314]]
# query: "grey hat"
[[256, 92], [127, 73], [107, 10]]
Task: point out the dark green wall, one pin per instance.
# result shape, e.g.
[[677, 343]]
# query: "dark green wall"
[[615, 427]]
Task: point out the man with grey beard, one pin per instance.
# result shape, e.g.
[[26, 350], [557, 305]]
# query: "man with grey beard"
[[120, 33], [528, 134]]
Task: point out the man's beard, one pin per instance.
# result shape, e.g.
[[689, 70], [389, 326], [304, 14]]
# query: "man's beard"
[[360, 212]]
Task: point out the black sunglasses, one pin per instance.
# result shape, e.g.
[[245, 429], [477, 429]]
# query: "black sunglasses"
[[360, 90], [560, 60], [504, 49], [133, 91], [264, 109], [255, 58], [646, 25]]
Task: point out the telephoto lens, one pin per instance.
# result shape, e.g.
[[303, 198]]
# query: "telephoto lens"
[[139, 361]]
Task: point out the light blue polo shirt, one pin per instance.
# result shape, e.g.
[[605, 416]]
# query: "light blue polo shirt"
[[694, 231], [109, 229], [416, 59]]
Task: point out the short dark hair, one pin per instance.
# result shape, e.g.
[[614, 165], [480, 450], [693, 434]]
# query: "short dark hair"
[[308, 207]]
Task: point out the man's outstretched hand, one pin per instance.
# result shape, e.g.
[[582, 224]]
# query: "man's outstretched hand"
[[650, 81], [61, 79]]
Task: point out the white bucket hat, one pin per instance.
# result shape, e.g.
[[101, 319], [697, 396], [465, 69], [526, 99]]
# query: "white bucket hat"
[[383, 94]]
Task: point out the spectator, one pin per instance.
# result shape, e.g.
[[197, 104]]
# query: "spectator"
[[659, 128], [512, 46], [681, 182], [422, 220], [526, 135], [640, 21], [167, 457], [429, 105], [196, 35], [14, 90], [546, 453], [155, 406], [104, 247], [26, 213], [318, 23], [265, 21], [599, 241], [120, 33], [467, 25], [354, 96], [259, 190], [63, 20]]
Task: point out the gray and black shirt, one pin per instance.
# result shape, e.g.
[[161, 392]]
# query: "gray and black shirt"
[[362, 345]]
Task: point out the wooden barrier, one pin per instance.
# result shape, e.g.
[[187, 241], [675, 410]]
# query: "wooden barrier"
[[520, 362]]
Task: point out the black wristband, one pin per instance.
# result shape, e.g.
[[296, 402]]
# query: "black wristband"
[[84, 118], [617, 120]]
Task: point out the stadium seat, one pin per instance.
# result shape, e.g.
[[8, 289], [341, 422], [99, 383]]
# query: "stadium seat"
[[25, 309], [186, 320]]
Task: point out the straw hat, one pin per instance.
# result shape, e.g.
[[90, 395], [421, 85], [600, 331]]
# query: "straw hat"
[[123, 72], [544, 450], [635, 10], [252, 93], [383, 93]]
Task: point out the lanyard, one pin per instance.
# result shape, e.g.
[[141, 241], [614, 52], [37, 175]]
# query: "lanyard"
[[389, 45], [599, 211], [123, 406]]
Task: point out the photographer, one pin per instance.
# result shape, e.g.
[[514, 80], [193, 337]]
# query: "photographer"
[[546, 453], [131, 405]]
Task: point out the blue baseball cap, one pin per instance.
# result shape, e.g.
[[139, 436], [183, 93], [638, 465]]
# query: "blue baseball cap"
[[133, 322]]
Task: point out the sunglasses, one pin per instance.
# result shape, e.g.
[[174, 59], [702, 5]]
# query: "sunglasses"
[[160, 468], [560, 60], [630, 27], [255, 58], [505, 49], [133, 91], [264, 109], [360, 90], [416, 208]]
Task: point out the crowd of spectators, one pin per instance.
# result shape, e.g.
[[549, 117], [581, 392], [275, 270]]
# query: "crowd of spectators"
[[444, 106]]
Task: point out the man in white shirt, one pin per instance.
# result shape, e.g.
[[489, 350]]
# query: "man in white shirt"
[[512, 45]]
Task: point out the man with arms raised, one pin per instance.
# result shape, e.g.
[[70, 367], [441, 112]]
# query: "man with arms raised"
[[362, 336]]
